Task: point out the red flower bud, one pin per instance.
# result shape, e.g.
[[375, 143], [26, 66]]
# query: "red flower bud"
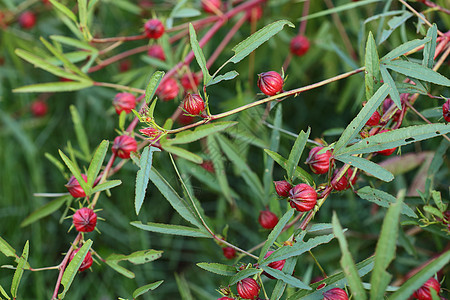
[[154, 29], [193, 104], [278, 265], [424, 292], [270, 83], [445, 112], [299, 45], [374, 119], [282, 187], [124, 65], [267, 219], [74, 187], [211, 6], [157, 51], [39, 108], [303, 197], [190, 81], [248, 288], [84, 220], [87, 261], [344, 183], [185, 119], [229, 252], [319, 163], [387, 103], [225, 298], [27, 20], [254, 13], [386, 152], [151, 132], [123, 145], [208, 166], [124, 102], [168, 89], [335, 294]]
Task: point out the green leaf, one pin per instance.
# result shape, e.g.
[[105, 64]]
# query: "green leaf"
[[54, 87], [372, 64], [397, 138], [97, 162], [394, 23], [383, 199], [143, 176], [361, 119], [183, 153], [199, 54], [430, 48], [436, 195], [121, 270], [19, 271], [385, 250], [3, 292], [408, 288], [417, 71], [82, 12], [183, 287], [6, 248], [40, 63], [433, 210], [72, 269], [243, 274], [74, 42], [275, 233], [296, 152], [387, 78], [45, 210], [247, 46], [76, 172], [152, 85], [174, 199], [218, 268], [171, 229], [289, 279], [299, 172], [200, 132], [269, 161], [80, 133], [106, 185], [347, 263], [144, 289], [279, 288], [227, 76], [404, 48], [137, 257], [340, 8], [367, 166], [66, 11]]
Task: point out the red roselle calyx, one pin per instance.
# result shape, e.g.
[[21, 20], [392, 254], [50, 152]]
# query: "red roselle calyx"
[[151, 132], [335, 294], [229, 252], [154, 28], [190, 81], [386, 152], [254, 13], [168, 89], [157, 51], [123, 145], [27, 20], [39, 108], [282, 187], [124, 102], [211, 6], [193, 104], [445, 112], [424, 292], [302, 197], [248, 288], [278, 265], [374, 119], [74, 187], [84, 220], [270, 83], [87, 261], [225, 298], [267, 219], [299, 45], [343, 183], [319, 162]]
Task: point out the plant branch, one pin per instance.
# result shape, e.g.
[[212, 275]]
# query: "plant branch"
[[419, 15]]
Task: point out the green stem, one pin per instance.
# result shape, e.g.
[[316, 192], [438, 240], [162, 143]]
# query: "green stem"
[[318, 264]]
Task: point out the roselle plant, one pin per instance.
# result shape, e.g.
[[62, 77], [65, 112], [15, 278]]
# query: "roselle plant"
[[269, 150]]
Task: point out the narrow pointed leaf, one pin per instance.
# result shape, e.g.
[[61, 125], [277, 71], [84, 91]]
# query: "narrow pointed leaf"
[[143, 176], [247, 46], [372, 64], [347, 263], [243, 274], [82, 12], [430, 48], [6, 248], [144, 289], [367, 166], [138, 257], [183, 153], [54, 87], [121, 270], [269, 161], [417, 71], [107, 185], [337, 9], [289, 279], [299, 172], [383, 199], [280, 287], [45, 210], [171, 229], [394, 23], [64, 10], [361, 119], [74, 43], [152, 86], [80, 132], [404, 48], [72, 269], [218, 268], [227, 76], [219, 168], [3, 292], [387, 78], [199, 54], [200, 132], [97, 162], [19, 271], [75, 172], [296, 152]]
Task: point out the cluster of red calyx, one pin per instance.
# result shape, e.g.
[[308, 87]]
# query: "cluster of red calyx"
[[319, 162], [299, 45], [211, 6], [277, 265], [229, 252], [123, 146], [151, 132], [248, 288], [157, 52], [74, 187], [168, 89], [270, 83], [424, 292], [124, 102], [193, 104], [344, 182], [87, 261], [154, 29], [335, 294], [84, 220], [267, 219], [225, 298], [302, 197]]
